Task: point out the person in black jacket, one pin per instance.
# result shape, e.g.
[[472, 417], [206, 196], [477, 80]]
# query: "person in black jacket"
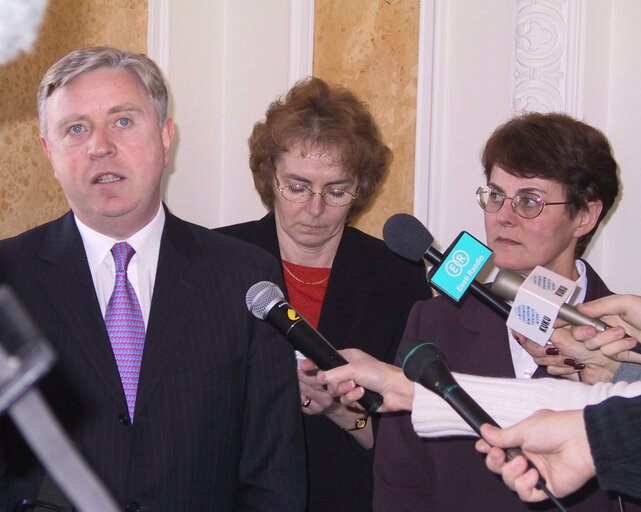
[[318, 161], [210, 421]]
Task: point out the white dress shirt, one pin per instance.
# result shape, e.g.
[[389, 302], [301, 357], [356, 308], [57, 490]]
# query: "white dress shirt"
[[524, 365], [142, 267]]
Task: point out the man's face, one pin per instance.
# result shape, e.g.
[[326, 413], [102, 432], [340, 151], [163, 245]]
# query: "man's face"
[[107, 150]]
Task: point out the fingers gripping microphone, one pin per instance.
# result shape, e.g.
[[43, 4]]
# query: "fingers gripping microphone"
[[423, 363], [266, 301], [407, 237]]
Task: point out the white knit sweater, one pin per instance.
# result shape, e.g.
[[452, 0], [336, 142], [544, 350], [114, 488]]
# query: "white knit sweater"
[[508, 401]]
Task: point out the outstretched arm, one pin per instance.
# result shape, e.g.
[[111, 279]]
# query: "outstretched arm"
[[364, 371]]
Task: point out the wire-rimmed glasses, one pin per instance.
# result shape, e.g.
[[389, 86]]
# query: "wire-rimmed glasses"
[[525, 204], [331, 196]]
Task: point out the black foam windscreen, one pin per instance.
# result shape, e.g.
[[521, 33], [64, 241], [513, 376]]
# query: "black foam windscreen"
[[414, 355], [406, 236]]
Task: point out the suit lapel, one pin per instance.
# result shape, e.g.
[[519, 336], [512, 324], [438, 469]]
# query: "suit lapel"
[[349, 293], [264, 235], [484, 325], [70, 289], [171, 305]]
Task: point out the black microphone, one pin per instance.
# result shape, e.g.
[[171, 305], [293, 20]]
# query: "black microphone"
[[422, 362], [266, 301], [407, 237]]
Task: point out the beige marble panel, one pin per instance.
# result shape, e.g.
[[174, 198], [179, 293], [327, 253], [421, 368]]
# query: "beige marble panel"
[[371, 47], [29, 193]]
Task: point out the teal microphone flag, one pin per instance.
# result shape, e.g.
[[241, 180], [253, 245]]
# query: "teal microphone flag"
[[461, 263]]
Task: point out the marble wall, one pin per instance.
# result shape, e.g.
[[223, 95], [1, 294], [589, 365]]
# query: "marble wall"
[[371, 47], [29, 193]]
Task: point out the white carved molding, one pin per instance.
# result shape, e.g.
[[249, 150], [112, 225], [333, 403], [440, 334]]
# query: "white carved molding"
[[549, 47]]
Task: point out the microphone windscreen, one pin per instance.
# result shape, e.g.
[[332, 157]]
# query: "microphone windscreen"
[[261, 296], [406, 236], [414, 355]]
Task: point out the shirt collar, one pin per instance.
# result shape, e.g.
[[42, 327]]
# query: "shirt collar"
[[145, 242]]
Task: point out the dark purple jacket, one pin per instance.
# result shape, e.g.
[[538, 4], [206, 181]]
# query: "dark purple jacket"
[[448, 475]]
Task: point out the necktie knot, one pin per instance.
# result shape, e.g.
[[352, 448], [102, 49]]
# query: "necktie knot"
[[122, 253]]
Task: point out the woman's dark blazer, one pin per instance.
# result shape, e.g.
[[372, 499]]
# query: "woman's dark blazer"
[[369, 295]]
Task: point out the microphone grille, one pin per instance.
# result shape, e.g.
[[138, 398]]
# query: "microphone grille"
[[507, 283], [261, 297], [406, 236], [415, 354]]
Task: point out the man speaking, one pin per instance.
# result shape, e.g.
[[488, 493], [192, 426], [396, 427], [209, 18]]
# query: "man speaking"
[[177, 396]]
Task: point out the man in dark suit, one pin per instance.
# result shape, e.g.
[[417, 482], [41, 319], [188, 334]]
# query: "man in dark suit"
[[206, 418]]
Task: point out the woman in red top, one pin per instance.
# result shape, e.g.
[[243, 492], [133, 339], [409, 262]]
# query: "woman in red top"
[[318, 160]]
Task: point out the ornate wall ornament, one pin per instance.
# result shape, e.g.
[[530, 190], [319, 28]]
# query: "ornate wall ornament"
[[548, 55]]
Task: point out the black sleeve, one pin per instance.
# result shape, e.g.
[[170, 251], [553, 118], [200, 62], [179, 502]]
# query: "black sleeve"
[[613, 429]]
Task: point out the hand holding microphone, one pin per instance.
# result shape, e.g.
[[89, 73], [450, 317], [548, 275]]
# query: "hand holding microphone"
[[508, 283], [539, 299], [422, 362], [267, 302]]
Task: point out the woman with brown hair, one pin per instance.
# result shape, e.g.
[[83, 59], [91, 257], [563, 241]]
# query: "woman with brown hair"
[[318, 160]]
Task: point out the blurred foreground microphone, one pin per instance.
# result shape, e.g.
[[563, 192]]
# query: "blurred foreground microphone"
[[266, 301], [19, 24], [538, 300], [422, 362], [407, 237], [25, 357]]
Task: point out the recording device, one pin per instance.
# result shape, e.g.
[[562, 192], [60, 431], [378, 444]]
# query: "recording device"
[[538, 300], [25, 356], [422, 362], [508, 283], [407, 237], [266, 301]]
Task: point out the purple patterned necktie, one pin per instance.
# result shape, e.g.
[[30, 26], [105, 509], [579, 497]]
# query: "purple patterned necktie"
[[125, 326]]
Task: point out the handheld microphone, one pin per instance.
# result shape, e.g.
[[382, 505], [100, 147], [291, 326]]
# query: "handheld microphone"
[[407, 237], [422, 362], [266, 301], [508, 282]]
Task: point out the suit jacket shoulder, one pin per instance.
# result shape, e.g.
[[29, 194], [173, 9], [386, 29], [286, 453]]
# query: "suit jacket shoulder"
[[214, 379], [370, 291]]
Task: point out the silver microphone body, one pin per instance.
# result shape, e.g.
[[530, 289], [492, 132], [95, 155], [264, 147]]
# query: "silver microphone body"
[[508, 282]]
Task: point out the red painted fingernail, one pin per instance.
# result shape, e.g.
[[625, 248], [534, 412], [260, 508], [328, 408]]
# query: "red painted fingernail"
[[579, 366], [518, 337], [552, 351], [569, 362]]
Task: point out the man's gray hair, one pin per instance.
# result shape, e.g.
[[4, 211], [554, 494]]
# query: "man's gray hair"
[[96, 57]]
